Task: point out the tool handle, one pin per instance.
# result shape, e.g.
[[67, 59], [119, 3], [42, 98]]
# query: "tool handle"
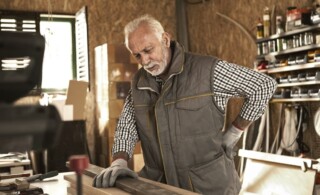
[[42, 176], [79, 163]]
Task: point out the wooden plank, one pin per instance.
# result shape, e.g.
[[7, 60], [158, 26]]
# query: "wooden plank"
[[88, 189], [274, 178], [171, 188], [138, 186], [13, 164], [275, 174], [288, 160]]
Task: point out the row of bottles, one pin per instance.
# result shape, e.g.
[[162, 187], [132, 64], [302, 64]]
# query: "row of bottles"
[[290, 42], [264, 26]]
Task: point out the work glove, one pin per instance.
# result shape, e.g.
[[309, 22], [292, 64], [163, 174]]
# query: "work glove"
[[107, 178], [231, 137]]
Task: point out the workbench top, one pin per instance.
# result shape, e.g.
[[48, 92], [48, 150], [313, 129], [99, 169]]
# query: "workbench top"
[[55, 185]]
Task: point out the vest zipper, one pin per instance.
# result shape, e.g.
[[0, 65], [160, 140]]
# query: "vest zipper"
[[156, 118]]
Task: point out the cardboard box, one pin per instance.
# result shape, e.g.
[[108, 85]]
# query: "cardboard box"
[[76, 96]]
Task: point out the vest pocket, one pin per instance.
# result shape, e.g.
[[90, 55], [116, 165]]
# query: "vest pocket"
[[215, 177], [194, 102], [198, 116]]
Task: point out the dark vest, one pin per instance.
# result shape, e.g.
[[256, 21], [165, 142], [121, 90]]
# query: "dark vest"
[[179, 126]]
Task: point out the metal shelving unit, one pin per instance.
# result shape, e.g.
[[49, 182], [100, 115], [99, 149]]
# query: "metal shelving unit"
[[292, 50], [293, 68]]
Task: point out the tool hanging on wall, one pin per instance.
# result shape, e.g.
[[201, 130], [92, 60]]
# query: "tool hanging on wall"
[[295, 123]]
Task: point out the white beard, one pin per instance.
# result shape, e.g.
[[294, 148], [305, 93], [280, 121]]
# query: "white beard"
[[162, 65]]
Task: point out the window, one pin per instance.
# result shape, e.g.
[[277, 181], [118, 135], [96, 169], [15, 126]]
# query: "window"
[[59, 62], [66, 48]]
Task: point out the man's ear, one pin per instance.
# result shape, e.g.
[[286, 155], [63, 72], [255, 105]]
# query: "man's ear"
[[166, 39]]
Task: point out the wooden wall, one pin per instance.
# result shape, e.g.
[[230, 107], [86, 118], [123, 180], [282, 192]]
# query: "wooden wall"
[[209, 33]]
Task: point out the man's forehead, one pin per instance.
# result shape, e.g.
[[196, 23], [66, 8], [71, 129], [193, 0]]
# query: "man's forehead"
[[140, 42], [141, 48]]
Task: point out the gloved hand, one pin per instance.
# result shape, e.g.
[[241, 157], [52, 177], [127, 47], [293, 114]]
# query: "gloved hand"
[[107, 177], [231, 137]]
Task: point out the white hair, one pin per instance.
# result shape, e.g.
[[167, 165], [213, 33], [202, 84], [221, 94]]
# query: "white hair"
[[154, 25]]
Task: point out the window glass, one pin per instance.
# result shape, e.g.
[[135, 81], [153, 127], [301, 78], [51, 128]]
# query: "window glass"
[[58, 61]]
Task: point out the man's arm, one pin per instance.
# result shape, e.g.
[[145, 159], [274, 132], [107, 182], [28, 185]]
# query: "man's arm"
[[241, 123], [125, 139], [231, 80], [126, 134]]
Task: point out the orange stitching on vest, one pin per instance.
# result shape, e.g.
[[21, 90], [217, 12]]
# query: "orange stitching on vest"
[[191, 97]]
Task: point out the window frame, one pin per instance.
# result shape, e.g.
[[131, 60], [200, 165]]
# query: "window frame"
[[72, 20], [79, 19]]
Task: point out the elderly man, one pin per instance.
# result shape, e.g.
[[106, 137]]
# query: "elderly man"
[[176, 108]]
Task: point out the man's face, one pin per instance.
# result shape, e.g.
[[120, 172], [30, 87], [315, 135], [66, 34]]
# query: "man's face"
[[148, 50]]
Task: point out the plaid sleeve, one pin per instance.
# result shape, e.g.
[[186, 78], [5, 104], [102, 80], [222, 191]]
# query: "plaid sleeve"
[[126, 134], [231, 80]]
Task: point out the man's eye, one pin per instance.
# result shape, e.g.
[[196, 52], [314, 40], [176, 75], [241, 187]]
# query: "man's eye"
[[137, 56], [148, 50]]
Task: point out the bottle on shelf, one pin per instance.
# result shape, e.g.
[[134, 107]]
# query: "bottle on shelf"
[[279, 25], [266, 22], [259, 29], [290, 18]]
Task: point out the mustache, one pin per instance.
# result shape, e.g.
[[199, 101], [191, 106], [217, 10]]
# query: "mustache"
[[150, 64]]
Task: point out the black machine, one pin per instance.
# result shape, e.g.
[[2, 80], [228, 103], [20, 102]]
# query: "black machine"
[[24, 127]]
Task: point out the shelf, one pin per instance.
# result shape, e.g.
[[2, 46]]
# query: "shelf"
[[292, 50], [290, 33], [298, 84], [262, 71], [292, 67], [283, 100]]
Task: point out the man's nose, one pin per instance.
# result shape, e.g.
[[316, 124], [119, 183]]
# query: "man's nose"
[[145, 59]]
